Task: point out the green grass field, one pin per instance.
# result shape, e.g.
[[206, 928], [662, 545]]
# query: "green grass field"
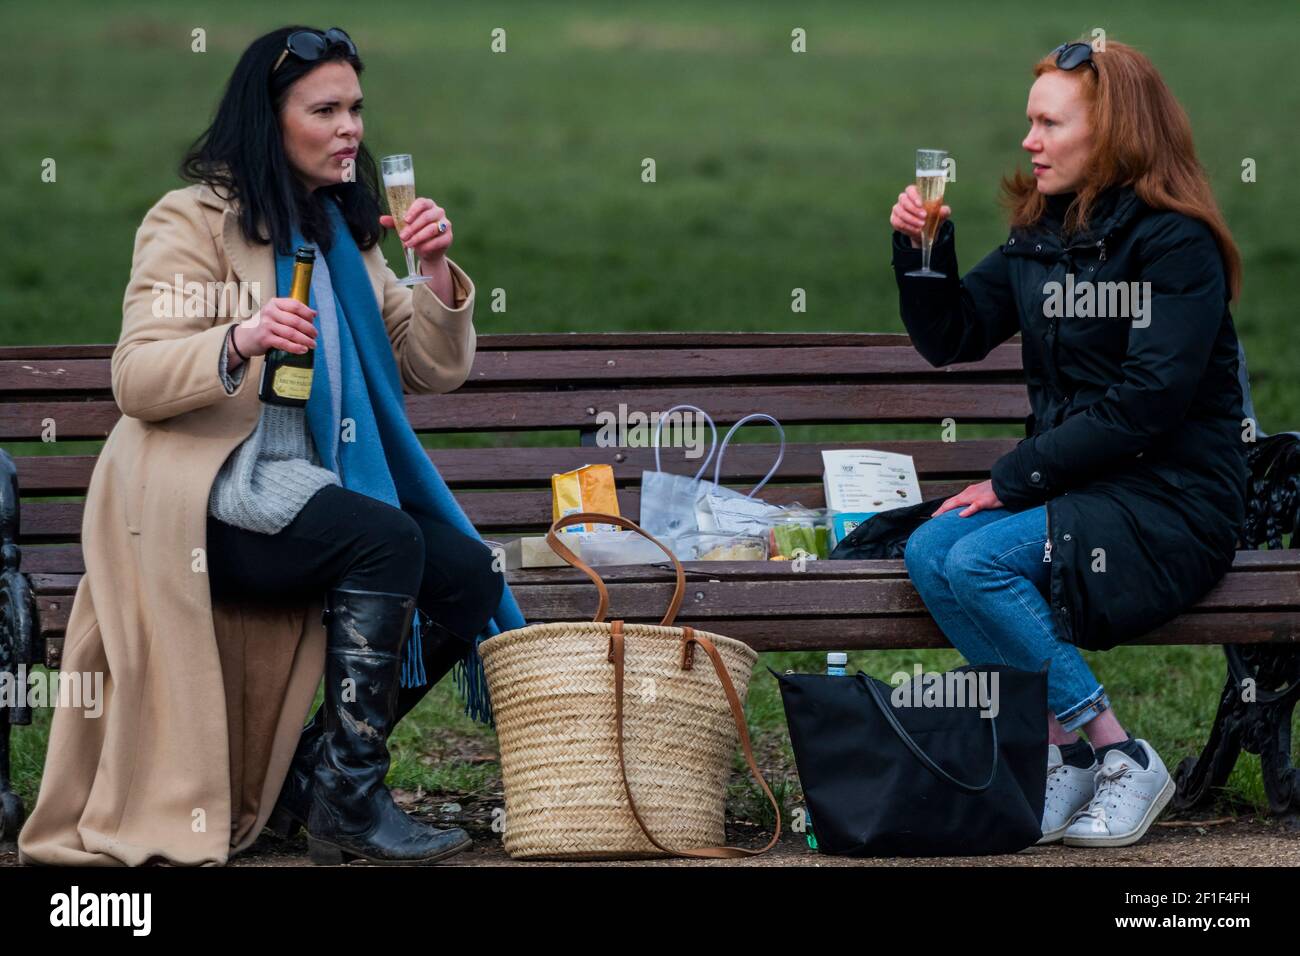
[[774, 170]]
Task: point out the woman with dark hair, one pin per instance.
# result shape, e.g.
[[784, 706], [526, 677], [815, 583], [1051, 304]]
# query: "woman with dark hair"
[[219, 528], [1124, 504]]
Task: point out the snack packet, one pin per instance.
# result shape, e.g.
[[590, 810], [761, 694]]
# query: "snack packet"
[[589, 488]]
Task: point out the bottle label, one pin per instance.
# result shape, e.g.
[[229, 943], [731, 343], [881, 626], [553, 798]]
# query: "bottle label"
[[291, 382]]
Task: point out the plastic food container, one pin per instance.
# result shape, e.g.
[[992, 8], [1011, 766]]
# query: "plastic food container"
[[720, 546], [806, 531]]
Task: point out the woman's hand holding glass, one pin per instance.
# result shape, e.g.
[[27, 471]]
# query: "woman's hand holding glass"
[[908, 215], [426, 230]]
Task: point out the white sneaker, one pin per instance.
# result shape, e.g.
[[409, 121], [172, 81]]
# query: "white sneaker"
[[1069, 789], [1127, 801]]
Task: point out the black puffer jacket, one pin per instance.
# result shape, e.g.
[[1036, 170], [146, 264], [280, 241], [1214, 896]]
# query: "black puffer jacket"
[[1136, 438]]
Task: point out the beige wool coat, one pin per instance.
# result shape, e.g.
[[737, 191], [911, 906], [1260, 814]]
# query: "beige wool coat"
[[203, 704]]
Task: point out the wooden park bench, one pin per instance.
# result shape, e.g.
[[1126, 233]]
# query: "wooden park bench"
[[563, 382]]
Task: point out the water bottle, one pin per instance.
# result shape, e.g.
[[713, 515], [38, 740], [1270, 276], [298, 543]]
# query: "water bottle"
[[836, 664]]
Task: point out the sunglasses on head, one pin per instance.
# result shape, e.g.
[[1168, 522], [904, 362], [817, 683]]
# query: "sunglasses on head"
[[312, 44], [1072, 55]]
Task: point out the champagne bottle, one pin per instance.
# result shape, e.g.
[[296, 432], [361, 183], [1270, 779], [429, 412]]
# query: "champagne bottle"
[[286, 376]]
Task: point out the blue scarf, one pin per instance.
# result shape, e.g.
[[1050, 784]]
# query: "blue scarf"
[[386, 460]]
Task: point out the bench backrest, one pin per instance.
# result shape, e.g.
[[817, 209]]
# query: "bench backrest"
[[525, 388], [534, 405]]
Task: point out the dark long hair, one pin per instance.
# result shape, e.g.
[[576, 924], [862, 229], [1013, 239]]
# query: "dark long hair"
[[241, 155]]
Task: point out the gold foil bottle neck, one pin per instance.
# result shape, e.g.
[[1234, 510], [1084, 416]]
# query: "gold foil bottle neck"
[[303, 262]]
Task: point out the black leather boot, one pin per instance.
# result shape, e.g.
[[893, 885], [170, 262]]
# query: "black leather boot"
[[442, 649], [352, 813]]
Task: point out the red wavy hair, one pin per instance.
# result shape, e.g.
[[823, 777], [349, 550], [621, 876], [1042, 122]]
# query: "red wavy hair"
[[1141, 136]]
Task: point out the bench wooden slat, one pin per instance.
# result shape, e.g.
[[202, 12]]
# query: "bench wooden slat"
[[908, 633], [798, 594], [60, 559], [489, 511], [49, 585], [573, 340], [38, 376], [26, 353], [720, 364], [670, 340], [1246, 562], [901, 632], [532, 410], [824, 589], [521, 467], [53, 559], [495, 367]]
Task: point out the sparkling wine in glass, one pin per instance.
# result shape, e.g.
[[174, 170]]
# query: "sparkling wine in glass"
[[931, 174], [399, 184]]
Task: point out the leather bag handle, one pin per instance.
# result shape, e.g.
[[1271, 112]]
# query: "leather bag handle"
[[586, 517], [921, 755], [689, 640]]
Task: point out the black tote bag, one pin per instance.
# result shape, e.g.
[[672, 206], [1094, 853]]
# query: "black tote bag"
[[886, 780]]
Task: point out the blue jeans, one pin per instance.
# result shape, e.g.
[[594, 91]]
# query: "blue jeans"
[[984, 580]]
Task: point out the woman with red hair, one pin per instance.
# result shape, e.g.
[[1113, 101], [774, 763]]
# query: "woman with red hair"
[[1124, 503]]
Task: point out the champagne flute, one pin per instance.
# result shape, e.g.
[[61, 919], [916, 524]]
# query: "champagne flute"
[[931, 174], [399, 184]]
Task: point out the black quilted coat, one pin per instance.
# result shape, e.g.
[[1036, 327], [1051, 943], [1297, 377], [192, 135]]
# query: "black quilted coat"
[[1136, 441]]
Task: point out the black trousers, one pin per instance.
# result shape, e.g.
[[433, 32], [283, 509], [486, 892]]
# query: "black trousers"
[[344, 539]]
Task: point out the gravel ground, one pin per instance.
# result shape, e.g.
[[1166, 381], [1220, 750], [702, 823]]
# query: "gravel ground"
[[1246, 841]]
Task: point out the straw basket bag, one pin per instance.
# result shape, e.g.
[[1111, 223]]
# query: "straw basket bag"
[[615, 742]]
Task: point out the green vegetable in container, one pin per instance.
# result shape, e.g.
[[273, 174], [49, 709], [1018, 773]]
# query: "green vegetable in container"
[[812, 539]]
